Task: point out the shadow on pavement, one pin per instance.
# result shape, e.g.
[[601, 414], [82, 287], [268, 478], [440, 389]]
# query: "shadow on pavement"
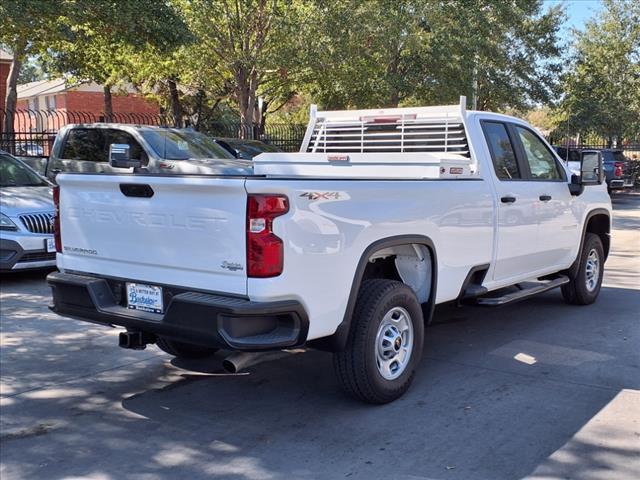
[[498, 392]]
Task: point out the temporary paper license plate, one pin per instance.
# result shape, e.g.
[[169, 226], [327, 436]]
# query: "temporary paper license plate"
[[144, 297], [50, 244]]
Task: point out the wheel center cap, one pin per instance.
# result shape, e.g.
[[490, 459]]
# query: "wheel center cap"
[[397, 343]]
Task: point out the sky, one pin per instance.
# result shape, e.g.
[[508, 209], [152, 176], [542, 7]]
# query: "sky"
[[578, 11]]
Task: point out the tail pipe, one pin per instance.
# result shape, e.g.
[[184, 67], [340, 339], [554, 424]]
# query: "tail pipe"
[[236, 362]]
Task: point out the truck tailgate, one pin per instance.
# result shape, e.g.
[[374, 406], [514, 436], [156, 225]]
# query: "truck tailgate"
[[183, 231]]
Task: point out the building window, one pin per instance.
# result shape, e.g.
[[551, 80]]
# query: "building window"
[[51, 102]]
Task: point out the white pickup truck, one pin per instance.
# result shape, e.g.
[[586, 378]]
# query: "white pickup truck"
[[346, 246]]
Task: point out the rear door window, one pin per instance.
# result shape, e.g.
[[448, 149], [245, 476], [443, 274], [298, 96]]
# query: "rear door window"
[[87, 144], [502, 152]]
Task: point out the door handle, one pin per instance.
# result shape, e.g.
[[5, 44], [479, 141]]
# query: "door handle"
[[508, 199], [141, 190], [545, 198]]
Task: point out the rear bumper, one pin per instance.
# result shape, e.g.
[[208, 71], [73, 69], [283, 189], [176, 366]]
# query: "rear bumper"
[[205, 319], [621, 183]]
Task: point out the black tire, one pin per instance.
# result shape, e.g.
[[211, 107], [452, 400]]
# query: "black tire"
[[577, 292], [184, 350], [356, 366]]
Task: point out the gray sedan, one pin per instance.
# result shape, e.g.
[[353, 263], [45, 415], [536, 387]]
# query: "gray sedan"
[[26, 217]]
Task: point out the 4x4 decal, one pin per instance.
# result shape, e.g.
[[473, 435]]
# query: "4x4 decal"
[[321, 195]]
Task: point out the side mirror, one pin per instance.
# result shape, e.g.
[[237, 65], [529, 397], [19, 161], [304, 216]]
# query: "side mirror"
[[591, 168], [120, 156], [591, 172]]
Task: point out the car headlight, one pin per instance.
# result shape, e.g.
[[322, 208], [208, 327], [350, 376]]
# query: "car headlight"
[[6, 223]]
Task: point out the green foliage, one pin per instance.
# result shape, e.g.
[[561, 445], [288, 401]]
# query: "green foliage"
[[31, 71], [373, 53], [247, 48], [602, 87], [99, 38]]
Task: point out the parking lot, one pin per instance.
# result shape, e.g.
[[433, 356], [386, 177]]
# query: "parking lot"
[[538, 389]]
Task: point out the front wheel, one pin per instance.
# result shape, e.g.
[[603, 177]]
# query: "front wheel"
[[583, 289], [384, 345]]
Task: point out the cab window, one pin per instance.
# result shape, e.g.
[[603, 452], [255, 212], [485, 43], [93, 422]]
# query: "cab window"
[[92, 144], [541, 162], [135, 150], [85, 144], [502, 151]]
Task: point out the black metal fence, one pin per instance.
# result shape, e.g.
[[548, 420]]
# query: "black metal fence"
[[35, 130]]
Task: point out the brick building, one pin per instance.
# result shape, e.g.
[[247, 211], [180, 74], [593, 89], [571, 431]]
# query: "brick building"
[[47, 105], [5, 66]]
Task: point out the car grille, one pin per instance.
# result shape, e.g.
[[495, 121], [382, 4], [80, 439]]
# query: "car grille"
[[37, 257], [38, 222]]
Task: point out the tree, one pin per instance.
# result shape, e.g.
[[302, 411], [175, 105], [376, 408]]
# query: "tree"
[[507, 57], [425, 52], [602, 86], [95, 46], [27, 26], [252, 43], [366, 54], [31, 71]]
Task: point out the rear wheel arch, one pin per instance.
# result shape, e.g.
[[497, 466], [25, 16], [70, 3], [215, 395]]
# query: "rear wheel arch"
[[337, 341]]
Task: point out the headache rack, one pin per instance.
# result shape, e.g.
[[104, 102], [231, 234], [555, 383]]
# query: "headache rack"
[[394, 143], [396, 130]]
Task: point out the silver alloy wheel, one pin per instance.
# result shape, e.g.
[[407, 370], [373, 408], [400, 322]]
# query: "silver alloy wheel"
[[394, 343], [592, 270]]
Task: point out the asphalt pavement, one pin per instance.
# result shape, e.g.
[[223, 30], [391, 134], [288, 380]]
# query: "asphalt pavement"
[[538, 390]]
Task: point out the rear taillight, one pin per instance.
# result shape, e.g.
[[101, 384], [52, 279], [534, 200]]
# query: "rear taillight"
[[618, 169], [264, 248], [56, 219]]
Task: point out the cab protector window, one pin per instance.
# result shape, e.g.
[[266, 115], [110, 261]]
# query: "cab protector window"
[[542, 165], [502, 153]]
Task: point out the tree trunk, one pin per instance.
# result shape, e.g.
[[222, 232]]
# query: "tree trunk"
[[200, 99], [108, 104], [11, 100], [246, 103], [176, 107]]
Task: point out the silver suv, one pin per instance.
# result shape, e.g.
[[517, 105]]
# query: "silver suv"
[[26, 217]]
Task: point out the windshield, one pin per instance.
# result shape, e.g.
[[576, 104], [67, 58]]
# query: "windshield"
[[14, 173], [253, 148], [184, 145]]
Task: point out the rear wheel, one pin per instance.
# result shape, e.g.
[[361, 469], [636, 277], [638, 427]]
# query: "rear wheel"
[[184, 350], [384, 345], [584, 288]]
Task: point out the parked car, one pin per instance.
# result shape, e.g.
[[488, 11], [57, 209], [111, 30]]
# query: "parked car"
[[29, 149], [346, 246], [246, 149], [26, 217], [619, 171], [85, 148]]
